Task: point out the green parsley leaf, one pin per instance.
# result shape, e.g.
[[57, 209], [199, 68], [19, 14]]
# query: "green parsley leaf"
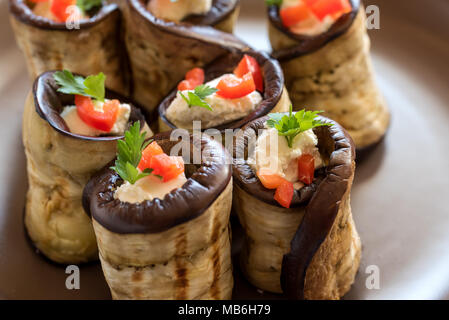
[[203, 91], [293, 124], [196, 98], [86, 5], [68, 83], [129, 155], [95, 86], [273, 2], [92, 86]]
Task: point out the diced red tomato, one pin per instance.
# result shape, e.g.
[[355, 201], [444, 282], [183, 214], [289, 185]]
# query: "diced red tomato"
[[59, 9], [167, 167], [37, 1], [249, 64], [186, 85], [270, 181], [234, 88], [306, 168], [294, 14], [335, 8], [153, 149], [284, 194], [103, 121], [195, 75], [194, 78], [153, 157]]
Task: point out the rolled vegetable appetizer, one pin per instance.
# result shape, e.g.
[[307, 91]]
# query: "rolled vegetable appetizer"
[[162, 225], [81, 36], [70, 130], [323, 48], [292, 196], [161, 51], [228, 93]]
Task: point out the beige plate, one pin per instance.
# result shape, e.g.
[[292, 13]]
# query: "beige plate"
[[400, 193]]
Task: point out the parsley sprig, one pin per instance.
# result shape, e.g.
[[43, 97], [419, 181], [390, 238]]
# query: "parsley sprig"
[[129, 155], [273, 2], [86, 5], [92, 86], [293, 124], [196, 98]]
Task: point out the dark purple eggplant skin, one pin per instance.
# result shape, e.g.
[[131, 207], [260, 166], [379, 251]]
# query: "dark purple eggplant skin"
[[204, 184], [49, 104]]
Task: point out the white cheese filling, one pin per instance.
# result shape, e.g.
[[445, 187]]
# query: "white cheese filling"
[[224, 110], [179, 9], [311, 26], [148, 188], [78, 126], [273, 156]]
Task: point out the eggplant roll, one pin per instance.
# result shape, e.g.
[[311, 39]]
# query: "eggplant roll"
[[333, 72], [177, 247], [311, 250], [94, 47], [161, 52], [275, 96], [59, 165]]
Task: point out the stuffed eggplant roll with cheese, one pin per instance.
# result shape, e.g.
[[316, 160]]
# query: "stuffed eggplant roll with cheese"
[[162, 225], [324, 50], [228, 93], [70, 130], [292, 196], [165, 39], [81, 36]]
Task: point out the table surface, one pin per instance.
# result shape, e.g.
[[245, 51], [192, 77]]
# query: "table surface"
[[400, 191]]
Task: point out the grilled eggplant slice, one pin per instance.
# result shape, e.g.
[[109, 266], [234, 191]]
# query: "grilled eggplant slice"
[[177, 247], [311, 250], [333, 72], [59, 164], [275, 96], [94, 47], [161, 52]]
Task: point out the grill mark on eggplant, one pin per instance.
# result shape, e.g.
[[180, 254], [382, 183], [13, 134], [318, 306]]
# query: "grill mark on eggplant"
[[137, 275], [181, 283], [215, 289]]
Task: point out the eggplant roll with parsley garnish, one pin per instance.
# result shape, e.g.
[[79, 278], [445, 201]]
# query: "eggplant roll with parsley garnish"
[[228, 93], [165, 39], [70, 130], [79, 35], [292, 196], [162, 225], [324, 50]]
